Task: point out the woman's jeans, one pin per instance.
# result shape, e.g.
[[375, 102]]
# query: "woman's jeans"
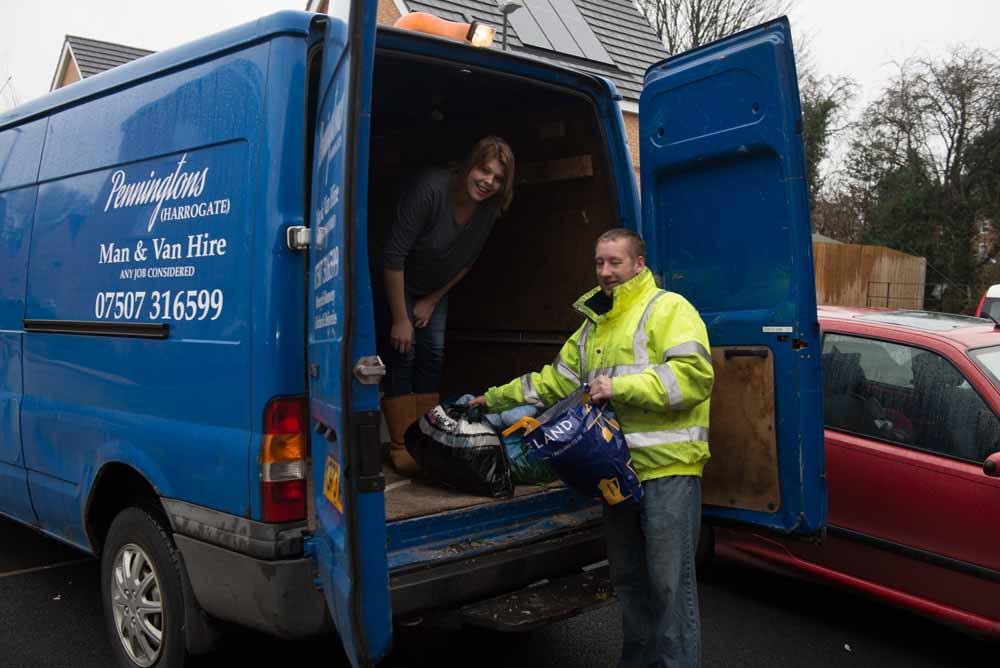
[[420, 369], [651, 551]]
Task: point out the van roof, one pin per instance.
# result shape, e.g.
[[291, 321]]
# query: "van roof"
[[284, 22], [291, 22]]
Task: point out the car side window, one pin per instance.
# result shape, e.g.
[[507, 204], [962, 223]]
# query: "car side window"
[[905, 395]]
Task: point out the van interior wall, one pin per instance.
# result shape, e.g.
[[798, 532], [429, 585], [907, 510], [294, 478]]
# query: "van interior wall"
[[513, 310]]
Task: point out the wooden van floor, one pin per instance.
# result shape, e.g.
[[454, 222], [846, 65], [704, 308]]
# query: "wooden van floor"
[[412, 497]]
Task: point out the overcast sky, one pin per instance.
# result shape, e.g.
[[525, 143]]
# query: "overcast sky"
[[857, 38]]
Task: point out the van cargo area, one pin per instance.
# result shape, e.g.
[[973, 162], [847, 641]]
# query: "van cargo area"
[[507, 316]]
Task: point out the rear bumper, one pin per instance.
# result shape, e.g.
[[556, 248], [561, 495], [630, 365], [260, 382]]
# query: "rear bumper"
[[249, 573], [464, 580], [276, 597]]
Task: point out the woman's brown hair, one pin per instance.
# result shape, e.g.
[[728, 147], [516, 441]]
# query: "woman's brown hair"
[[486, 149]]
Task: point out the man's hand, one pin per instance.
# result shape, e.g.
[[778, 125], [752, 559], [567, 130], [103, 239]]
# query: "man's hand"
[[478, 401], [401, 336], [423, 309], [600, 389]]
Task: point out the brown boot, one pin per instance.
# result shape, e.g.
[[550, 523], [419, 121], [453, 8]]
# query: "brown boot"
[[425, 402], [400, 412]]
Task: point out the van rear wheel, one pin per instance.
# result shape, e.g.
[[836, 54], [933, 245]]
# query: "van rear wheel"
[[141, 585]]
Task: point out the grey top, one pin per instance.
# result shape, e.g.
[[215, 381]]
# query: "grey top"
[[425, 241]]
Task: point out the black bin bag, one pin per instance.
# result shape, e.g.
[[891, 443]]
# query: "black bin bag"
[[456, 448]]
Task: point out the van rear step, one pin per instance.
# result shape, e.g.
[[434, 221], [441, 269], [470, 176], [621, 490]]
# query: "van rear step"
[[541, 604]]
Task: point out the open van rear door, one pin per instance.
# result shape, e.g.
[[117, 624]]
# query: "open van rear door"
[[348, 499], [726, 221]]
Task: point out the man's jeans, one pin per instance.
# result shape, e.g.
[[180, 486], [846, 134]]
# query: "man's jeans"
[[651, 550], [420, 369]]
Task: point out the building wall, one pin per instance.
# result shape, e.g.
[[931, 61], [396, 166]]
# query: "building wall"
[[984, 240], [387, 12], [632, 133], [70, 74]]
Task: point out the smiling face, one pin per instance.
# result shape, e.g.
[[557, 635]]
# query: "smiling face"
[[485, 180], [615, 263]]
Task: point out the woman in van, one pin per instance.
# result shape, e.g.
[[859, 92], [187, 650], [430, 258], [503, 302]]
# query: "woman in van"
[[442, 222]]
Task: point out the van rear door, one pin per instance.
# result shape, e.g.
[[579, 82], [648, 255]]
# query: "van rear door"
[[726, 221], [349, 543]]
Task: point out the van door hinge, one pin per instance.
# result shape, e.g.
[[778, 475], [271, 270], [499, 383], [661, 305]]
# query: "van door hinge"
[[297, 237], [369, 370]]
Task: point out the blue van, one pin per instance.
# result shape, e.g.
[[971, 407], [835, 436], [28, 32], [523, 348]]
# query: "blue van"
[[188, 373]]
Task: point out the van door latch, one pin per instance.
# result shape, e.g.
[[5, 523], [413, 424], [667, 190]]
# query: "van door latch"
[[369, 370], [297, 237]]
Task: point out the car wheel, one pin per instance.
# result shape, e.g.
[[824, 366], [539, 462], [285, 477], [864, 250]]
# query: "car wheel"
[[142, 589]]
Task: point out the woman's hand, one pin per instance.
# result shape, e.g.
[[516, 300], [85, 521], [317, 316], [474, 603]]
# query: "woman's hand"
[[401, 336], [478, 401], [423, 309]]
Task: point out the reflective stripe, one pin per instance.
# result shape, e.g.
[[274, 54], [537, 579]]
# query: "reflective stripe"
[[640, 344], [673, 388], [528, 389], [688, 348], [608, 371], [620, 370], [647, 439], [582, 343], [666, 374], [563, 369]]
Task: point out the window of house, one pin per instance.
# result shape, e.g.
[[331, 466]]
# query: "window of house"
[[905, 395]]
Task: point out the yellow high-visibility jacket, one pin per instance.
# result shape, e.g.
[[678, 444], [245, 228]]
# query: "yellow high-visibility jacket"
[[654, 346]]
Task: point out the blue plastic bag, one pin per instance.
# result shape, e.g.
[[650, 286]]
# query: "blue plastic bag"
[[584, 445]]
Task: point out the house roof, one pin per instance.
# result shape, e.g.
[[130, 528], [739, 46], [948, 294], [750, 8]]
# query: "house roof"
[[622, 31], [93, 56]]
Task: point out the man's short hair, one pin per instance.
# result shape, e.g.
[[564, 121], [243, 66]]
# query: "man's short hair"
[[636, 246]]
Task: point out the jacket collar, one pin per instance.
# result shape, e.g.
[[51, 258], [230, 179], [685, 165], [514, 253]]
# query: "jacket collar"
[[597, 306]]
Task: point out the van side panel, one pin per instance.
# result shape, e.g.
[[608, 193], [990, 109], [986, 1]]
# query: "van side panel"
[[20, 153], [145, 216], [278, 322]]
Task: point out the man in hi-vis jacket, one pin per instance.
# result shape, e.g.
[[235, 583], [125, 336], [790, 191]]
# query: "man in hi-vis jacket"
[[646, 351]]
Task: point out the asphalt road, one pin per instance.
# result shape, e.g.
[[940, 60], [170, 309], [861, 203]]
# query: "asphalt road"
[[50, 616]]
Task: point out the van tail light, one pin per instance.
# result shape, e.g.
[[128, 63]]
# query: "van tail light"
[[283, 460]]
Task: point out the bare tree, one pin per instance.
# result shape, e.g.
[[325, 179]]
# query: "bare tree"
[[921, 162], [932, 111], [686, 24]]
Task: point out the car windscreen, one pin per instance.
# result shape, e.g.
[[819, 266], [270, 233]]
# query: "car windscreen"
[[988, 359]]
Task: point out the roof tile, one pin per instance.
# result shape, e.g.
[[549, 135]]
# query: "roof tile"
[[619, 26], [94, 56]]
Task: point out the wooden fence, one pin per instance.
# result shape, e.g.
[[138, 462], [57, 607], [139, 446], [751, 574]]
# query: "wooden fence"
[[857, 275]]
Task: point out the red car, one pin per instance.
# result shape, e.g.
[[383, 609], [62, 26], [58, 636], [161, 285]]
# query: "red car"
[[911, 405]]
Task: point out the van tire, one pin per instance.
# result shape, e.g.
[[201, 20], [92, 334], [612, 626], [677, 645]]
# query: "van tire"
[[138, 536]]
